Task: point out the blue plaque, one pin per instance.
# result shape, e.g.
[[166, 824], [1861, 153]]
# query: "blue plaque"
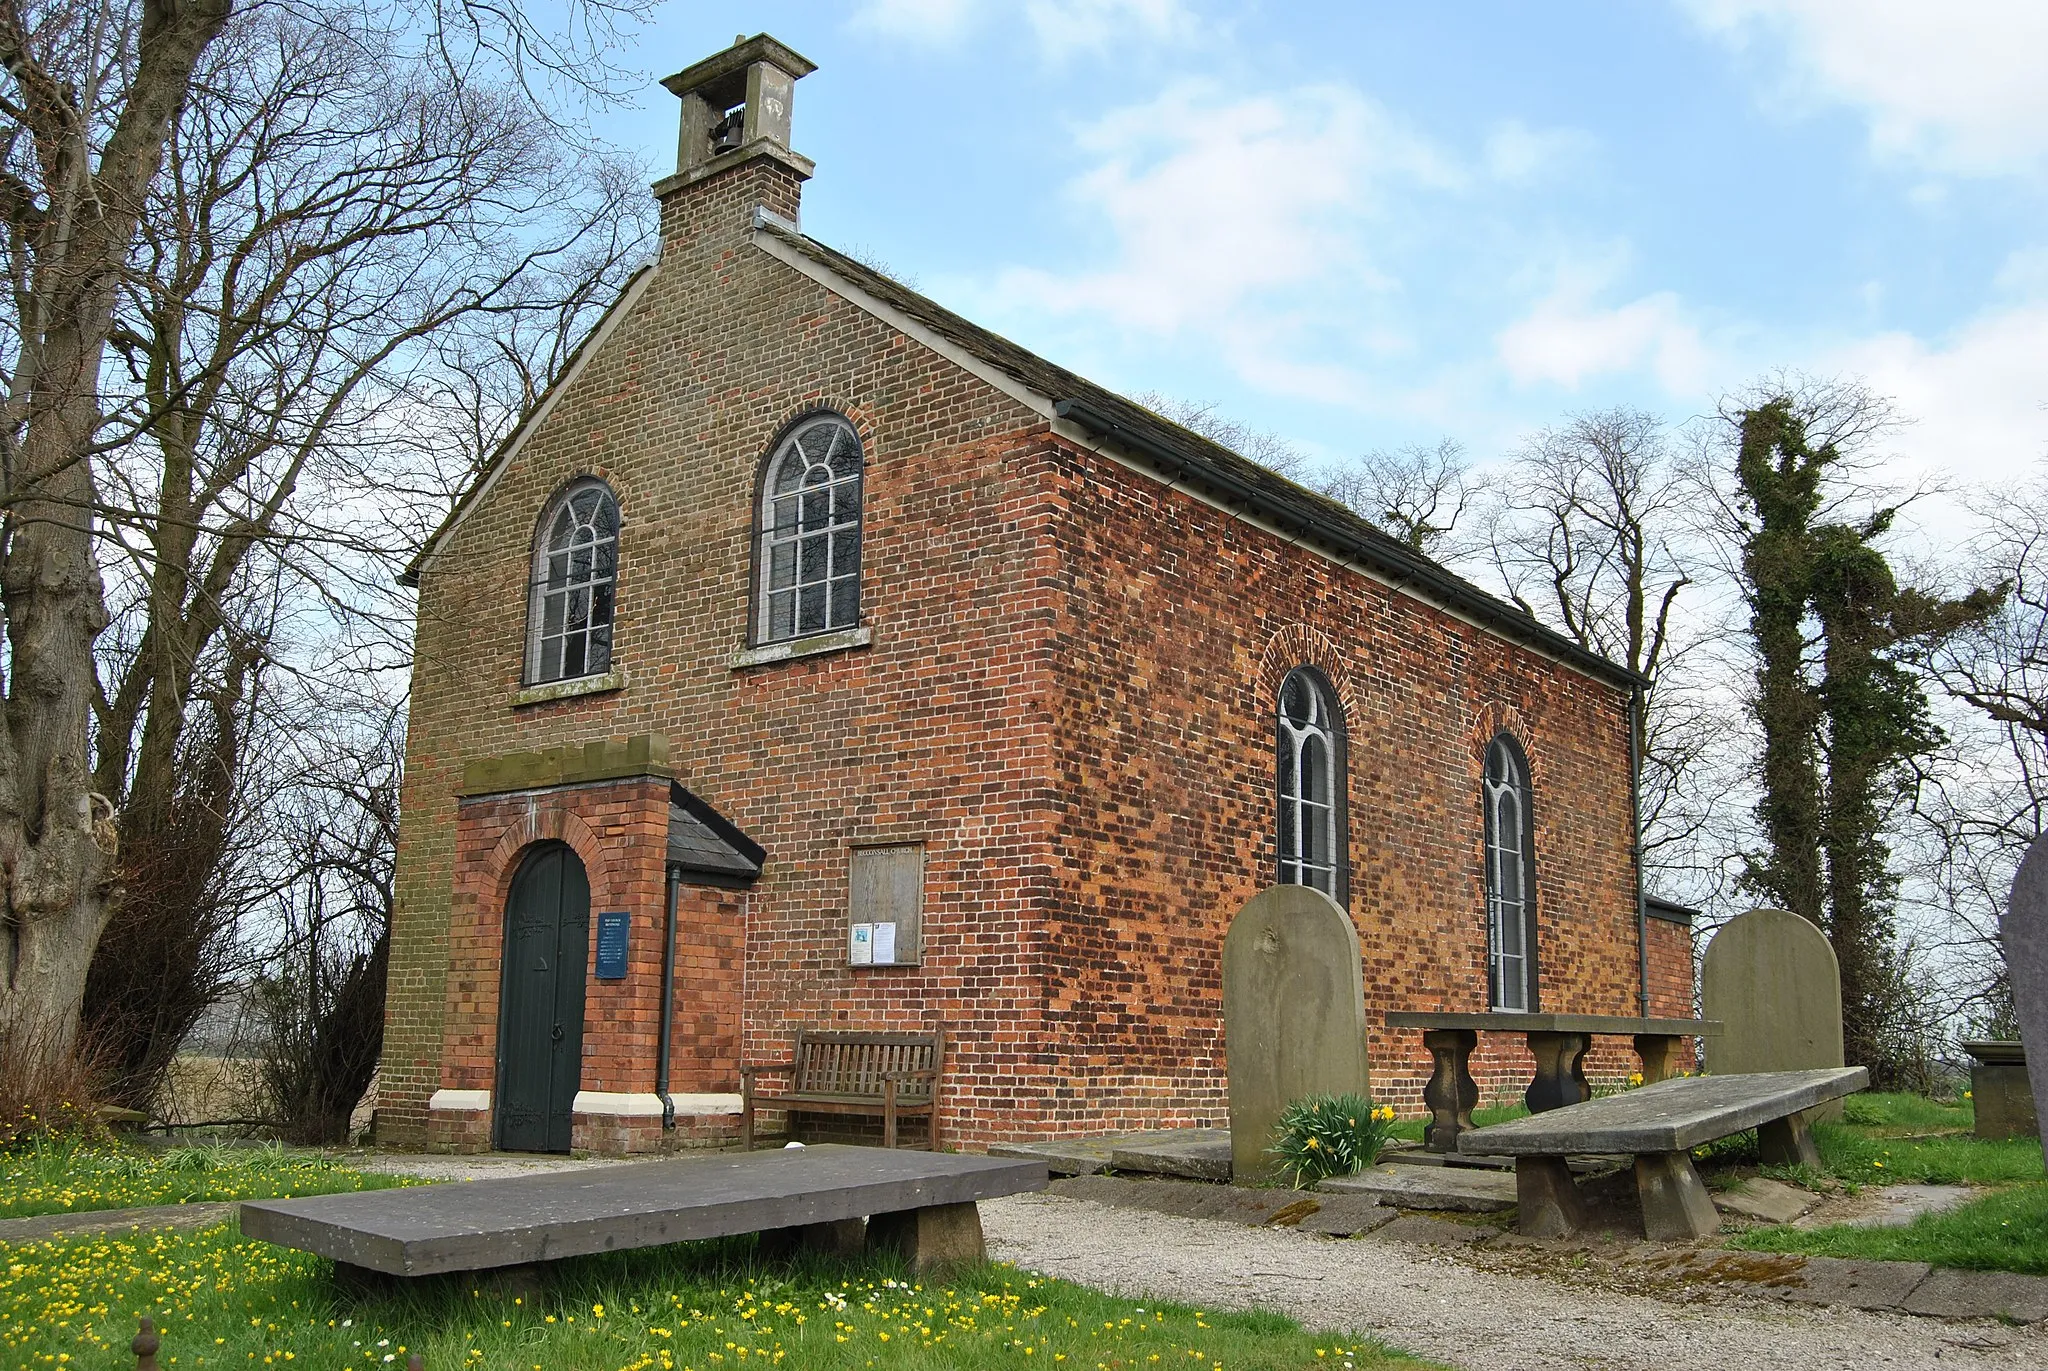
[[611, 945]]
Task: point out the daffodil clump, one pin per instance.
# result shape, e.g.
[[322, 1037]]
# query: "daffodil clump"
[[61, 1176], [1330, 1135], [223, 1301]]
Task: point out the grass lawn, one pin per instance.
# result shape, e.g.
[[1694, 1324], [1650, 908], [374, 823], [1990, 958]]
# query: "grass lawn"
[[1411, 1129], [2005, 1231], [224, 1301], [1894, 1139], [62, 1177]]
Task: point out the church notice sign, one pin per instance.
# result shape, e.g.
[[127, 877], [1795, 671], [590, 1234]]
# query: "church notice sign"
[[611, 945]]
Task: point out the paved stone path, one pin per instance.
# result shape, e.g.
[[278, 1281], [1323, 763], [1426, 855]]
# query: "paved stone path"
[[1447, 1304]]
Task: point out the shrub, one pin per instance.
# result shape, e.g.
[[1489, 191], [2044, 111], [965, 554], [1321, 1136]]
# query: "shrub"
[[1331, 1135]]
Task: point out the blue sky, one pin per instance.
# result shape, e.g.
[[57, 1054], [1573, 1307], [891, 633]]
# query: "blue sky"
[[1365, 225]]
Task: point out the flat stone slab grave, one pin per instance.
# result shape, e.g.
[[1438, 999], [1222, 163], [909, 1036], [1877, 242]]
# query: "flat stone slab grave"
[[1660, 1124], [1429, 1187], [1188, 1152], [478, 1225]]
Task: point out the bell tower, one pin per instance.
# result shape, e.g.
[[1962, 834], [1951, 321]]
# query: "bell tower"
[[736, 108]]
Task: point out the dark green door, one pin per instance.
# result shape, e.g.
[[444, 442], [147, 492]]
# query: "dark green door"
[[540, 1024]]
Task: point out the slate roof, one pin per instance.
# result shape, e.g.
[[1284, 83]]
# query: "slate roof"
[[708, 848], [1186, 455]]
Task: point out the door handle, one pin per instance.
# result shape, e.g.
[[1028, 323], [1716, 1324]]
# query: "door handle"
[[557, 1033]]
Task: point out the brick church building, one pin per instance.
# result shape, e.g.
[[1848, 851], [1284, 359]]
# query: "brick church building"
[[813, 657]]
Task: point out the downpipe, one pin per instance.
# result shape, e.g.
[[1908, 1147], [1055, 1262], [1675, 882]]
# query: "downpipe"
[[1635, 819], [671, 889]]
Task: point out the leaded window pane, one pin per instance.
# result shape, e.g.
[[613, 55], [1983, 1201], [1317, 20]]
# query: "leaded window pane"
[[1508, 877], [810, 531], [1307, 775], [572, 598]]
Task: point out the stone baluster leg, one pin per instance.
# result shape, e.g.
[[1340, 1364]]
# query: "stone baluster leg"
[[1787, 1142], [1560, 1071], [1676, 1207], [1547, 1202], [1659, 1054], [1451, 1094]]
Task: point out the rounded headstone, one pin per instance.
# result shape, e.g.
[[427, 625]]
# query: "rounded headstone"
[[2024, 931], [1772, 980], [1293, 1015]]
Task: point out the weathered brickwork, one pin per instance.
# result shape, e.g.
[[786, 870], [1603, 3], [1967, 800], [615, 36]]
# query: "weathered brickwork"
[[1067, 701]]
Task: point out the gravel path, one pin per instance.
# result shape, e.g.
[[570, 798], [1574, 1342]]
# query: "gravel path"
[[1427, 1302]]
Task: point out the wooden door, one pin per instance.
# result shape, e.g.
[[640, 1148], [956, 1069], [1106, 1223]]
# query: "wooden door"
[[540, 1020]]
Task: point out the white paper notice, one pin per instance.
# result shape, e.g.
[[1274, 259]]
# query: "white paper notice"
[[861, 952], [885, 944]]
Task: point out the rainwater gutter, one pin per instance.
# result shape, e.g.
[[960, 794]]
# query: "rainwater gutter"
[[1635, 845], [672, 888]]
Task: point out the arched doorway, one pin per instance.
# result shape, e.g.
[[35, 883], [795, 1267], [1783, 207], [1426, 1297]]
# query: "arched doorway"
[[540, 1016]]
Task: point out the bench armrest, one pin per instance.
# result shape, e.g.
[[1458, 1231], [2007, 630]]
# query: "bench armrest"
[[929, 1073], [767, 1068]]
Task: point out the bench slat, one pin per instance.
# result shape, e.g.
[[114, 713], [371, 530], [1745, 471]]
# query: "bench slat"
[[1670, 1116]]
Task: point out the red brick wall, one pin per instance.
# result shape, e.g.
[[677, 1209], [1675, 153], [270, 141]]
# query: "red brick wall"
[[1067, 701], [1176, 628]]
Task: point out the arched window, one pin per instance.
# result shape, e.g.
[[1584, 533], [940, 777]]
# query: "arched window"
[[575, 577], [1510, 877], [809, 529], [1310, 744]]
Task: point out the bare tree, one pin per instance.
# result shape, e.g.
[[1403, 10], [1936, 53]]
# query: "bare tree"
[[333, 213], [1263, 446], [90, 97], [1415, 493], [320, 995]]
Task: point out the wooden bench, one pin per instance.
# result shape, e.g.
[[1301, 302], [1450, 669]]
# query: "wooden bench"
[[886, 1075], [1558, 1042], [920, 1205], [1659, 1125]]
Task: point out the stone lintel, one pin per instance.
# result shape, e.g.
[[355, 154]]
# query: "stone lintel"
[[610, 759]]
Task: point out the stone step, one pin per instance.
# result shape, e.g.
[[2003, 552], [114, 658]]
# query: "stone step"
[[1430, 1187]]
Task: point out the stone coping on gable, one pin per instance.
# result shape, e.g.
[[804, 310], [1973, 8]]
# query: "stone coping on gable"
[[613, 759]]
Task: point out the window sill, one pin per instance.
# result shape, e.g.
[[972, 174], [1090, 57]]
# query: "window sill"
[[817, 644], [615, 679]]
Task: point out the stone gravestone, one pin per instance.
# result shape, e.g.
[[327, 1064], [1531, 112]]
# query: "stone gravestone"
[[1293, 1015], [1772, 980], [2025, 934]]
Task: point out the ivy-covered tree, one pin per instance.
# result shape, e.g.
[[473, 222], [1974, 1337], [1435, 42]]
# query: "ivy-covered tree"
[[1842, 710]]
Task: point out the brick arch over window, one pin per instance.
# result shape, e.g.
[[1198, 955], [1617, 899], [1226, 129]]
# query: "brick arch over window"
[[1297, 645], [548, 823]]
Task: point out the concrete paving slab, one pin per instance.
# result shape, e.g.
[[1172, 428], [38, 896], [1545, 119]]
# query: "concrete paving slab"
[[1201, 1154], [1429, 1187], [1980, 1295], [1194, 1200], [1901, 1204], [1857, 1284], [1769, 1200], [1420, 1228]]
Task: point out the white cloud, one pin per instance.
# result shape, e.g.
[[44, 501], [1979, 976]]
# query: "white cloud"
[[1978, 397], [1568, 339], [1217, 203], [1958, 87]]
